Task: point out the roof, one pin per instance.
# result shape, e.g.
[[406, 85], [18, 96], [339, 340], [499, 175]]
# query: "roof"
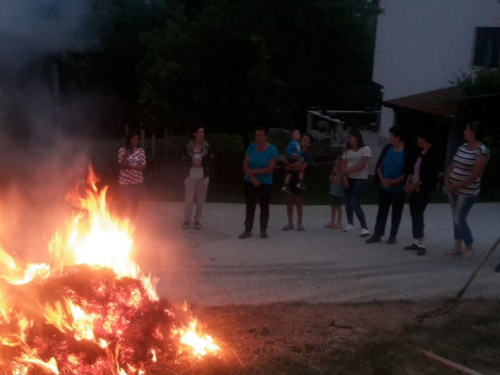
[[438, 102]]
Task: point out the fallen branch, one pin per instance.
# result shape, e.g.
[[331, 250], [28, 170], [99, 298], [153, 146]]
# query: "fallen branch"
[[453, 303], [450, 364]]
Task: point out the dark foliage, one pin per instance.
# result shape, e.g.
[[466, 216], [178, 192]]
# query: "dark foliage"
[[229, 65]]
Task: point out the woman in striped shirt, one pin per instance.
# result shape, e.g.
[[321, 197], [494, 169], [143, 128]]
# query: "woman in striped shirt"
[[463, 181]]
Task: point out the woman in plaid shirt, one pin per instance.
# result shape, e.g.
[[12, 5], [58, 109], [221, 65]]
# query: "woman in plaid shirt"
[[132, 161]]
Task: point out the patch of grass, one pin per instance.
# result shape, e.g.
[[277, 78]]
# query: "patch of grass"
[[300, 341]]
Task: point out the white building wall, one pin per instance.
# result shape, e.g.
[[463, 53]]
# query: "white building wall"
[[421, 45]]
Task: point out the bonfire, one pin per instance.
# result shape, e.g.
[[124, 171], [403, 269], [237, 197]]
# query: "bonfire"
[[90, 310]]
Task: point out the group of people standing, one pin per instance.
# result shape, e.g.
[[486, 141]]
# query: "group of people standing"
[[258, 166], [401, 174], [132, 162], [398, 173]]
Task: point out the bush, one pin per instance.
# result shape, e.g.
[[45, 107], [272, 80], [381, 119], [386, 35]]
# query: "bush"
[[323, 126]]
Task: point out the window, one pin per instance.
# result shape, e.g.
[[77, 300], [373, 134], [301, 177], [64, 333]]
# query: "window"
[[487, 47]]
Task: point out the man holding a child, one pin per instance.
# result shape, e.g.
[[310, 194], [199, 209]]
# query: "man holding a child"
[[294, 197]]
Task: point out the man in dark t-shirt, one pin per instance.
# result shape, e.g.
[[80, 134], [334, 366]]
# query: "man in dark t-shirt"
[[295, 197]]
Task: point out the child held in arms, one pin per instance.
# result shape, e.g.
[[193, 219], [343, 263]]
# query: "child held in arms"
[[294, 155]]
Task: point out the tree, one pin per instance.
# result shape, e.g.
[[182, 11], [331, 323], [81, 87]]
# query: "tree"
[[481, 101], [107, 62], [227, 64], [243, 63], [480, 82]]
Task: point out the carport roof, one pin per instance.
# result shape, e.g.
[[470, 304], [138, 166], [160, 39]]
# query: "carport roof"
[[438, 102]]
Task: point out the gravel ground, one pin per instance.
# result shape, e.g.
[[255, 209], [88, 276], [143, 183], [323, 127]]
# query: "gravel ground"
[[213, 267]]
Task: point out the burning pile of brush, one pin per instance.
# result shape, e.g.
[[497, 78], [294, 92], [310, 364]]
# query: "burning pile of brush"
[[90, 310]]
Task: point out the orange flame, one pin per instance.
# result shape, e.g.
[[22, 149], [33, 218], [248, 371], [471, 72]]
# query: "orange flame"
[[81, 324], [105, 242], [50, 365], [101, 241], [190, 338], [15, 275]]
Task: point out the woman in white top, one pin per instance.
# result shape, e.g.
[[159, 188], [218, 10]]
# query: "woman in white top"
[[355, 170], [198, 159], [463, 182]]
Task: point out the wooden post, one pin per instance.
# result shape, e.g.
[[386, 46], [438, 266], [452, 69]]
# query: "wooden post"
[[166, 135], [143, 137], [153, 146], [340, 131], [310, 121]]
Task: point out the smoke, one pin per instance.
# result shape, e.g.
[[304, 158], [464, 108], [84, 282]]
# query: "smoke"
[[36, 156], [32, 32], [30, 29]]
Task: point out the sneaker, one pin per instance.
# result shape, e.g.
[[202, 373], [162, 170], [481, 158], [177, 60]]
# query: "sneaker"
[[364, 232], [244, 235], [185, 225], [263, 235], [301, 185], [373, 239], [420, 250], [197, 225], [348, 228], [289, 226], [286, 189], [300, 227], [391, 240], [413, 246]]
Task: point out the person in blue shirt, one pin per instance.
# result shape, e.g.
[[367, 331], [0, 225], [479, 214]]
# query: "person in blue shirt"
[[294, 155], [259, 163], [390, 174]]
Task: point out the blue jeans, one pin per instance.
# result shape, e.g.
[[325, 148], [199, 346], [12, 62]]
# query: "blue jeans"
[[352, 200], [460, 207]]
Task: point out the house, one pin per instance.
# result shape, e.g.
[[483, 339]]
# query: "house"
[[421, 47]]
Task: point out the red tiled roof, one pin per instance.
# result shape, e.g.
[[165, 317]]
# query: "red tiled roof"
[[438, 102]]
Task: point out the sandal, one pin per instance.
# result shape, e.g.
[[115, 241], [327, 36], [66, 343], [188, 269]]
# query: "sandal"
[[337, 226], [453, 253], [330, 225], [467, 254]]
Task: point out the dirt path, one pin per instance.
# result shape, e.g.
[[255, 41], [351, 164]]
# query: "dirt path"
[[213, 267]]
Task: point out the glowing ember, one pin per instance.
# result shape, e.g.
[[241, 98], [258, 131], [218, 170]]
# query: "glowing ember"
[[200, 345], [91, 310]]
